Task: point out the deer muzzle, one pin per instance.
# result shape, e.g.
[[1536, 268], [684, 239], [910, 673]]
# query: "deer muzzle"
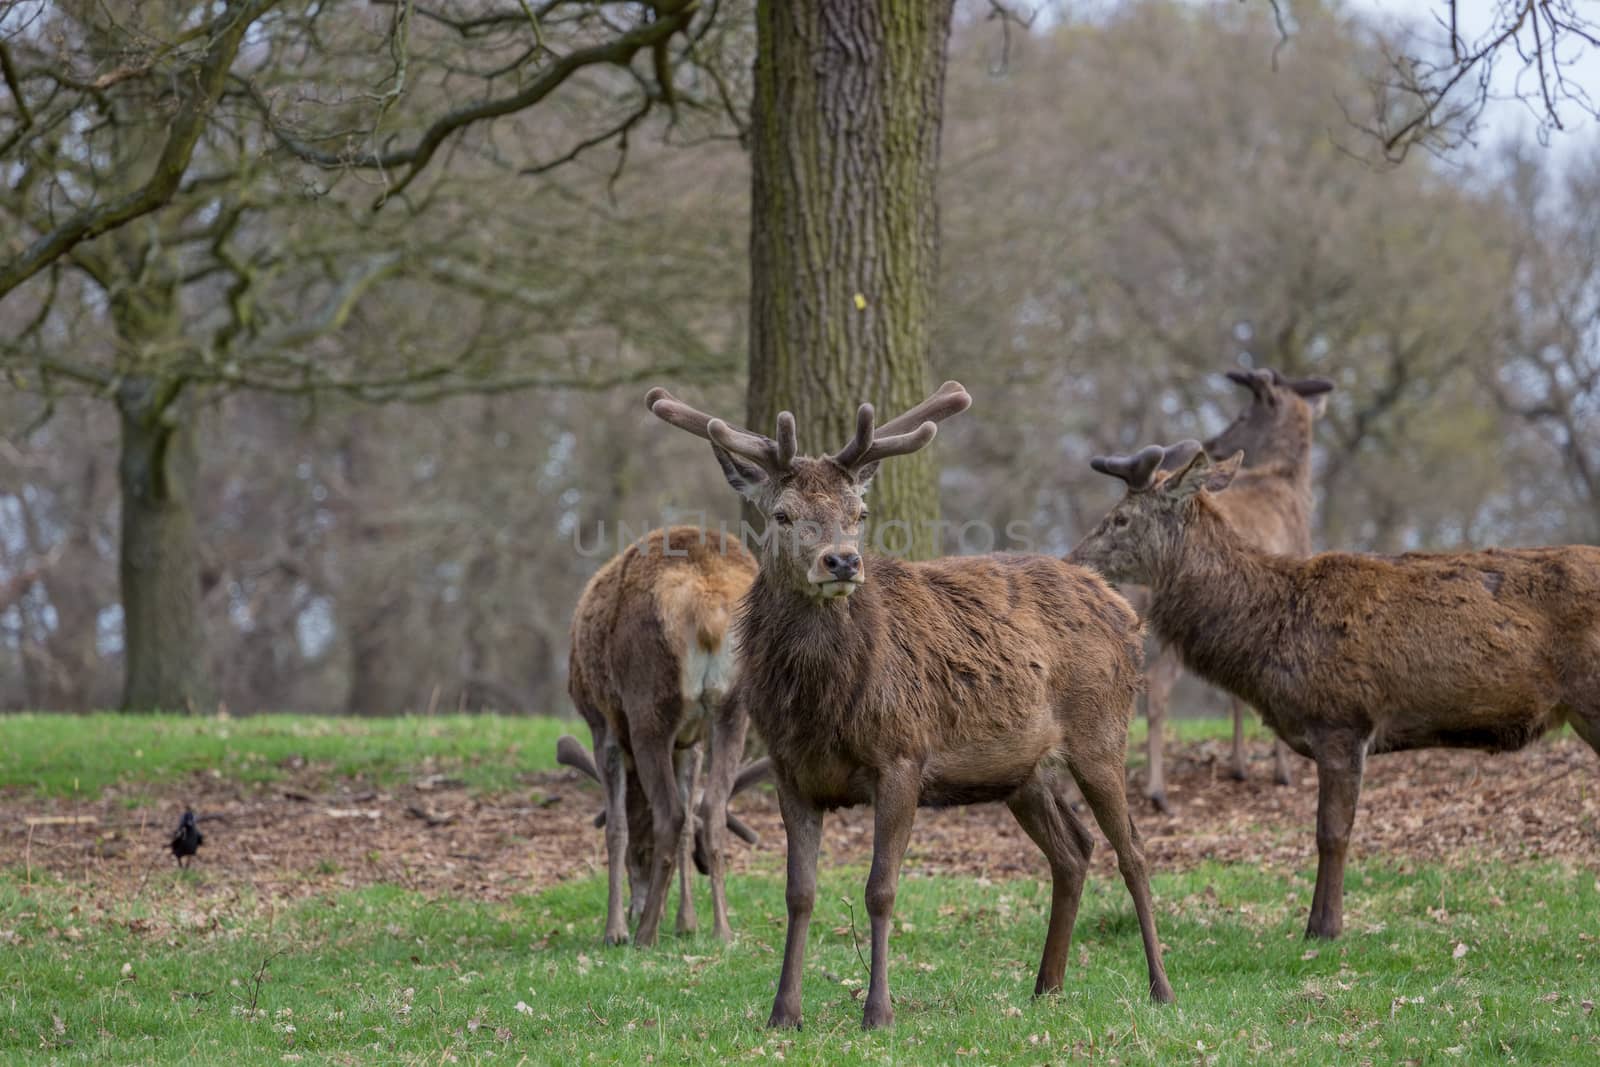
[[836, 570]]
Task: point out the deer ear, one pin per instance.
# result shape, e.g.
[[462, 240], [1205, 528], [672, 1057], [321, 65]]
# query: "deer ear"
[[1318, 404], [747, 479], [1201, 473], [864, 473]]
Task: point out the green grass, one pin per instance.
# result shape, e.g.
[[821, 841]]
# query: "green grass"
[[63, 755], [382, 976], [66, 755], [1439, 965]]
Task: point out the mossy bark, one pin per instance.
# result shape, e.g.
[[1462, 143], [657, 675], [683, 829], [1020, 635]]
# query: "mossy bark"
[[844, 240]]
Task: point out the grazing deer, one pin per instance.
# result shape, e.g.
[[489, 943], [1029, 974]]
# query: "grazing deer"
[[955, 681], [571, 752], [649, 671], [1349, 655], [1271, 508]]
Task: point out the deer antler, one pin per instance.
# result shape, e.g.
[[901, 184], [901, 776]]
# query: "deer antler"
[[1139, 469], [903, 434], [1303, 386], [951, 398], [1257, 381], [775, 456]]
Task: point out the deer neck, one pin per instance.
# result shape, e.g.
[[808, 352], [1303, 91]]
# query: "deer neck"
[[1214, 596], [807, 641]]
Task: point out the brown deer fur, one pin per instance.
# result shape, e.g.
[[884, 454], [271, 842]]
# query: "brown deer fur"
[[652, 659], [1347, 655], [1270, 505], [904, 684]]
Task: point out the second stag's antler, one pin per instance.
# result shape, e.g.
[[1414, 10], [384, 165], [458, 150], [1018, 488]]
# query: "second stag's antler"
[[1139, 469]]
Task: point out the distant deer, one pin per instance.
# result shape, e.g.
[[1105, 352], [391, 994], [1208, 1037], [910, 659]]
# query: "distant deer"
[[1346, 655], [649, 671], [1271, 508], [955, 681]]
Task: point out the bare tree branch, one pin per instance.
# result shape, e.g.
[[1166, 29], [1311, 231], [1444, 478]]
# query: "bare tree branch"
[[199, 95]]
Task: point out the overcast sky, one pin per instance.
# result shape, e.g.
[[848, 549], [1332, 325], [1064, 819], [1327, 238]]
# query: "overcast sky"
[[1508, 115]]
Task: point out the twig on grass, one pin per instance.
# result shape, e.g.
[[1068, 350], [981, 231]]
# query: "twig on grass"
[[853, 938], [255, 984]]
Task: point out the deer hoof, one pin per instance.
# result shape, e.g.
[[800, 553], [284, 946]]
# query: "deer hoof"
[[876, 1017], [614, 937], [1158, 801], [783, 1018], [1237, 773], [1161, 992]]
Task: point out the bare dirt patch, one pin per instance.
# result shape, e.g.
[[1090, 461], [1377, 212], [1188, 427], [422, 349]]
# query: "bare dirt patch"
[[311, 837]]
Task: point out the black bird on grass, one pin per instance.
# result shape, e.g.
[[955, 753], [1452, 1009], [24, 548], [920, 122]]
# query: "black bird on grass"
[[187, 841]]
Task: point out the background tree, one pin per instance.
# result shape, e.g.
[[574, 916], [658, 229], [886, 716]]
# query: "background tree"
[[844, 238], [1109, 245], [241, 250]]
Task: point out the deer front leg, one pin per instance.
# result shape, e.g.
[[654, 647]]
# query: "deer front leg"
[[894, 806], [802, 824], [687, 761], [1160, 678], [1340, 763]]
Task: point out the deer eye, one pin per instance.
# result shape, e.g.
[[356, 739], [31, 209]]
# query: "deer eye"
[[1119, 521], [861, 516], [782, 518]]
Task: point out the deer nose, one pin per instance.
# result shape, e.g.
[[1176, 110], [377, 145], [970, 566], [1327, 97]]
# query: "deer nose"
[[842, 565]]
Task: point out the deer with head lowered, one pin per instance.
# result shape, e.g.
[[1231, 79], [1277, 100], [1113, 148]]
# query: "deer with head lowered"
[[1346, 655], [639, 839], [1270, 505], [955, 681], [651, 664]]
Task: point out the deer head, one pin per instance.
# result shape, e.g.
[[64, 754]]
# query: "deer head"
[[813, 505], [1278, 420], [1147, 525]]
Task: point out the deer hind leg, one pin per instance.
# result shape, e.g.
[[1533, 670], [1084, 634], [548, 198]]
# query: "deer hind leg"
[[1238, 759], [614, 782], [1159, 680], [687, 762], [1340, 763], [722, 768], [1588, 729], [1047, 818], [653, 762], [641, 846], [1282, 765], [1104, 787]]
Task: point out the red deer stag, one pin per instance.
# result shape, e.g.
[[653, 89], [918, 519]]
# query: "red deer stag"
[[1270, 505], [649, 670], [1349, 655], [955, 681]]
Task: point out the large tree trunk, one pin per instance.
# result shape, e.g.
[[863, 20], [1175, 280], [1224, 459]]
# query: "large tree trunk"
[[844, 226], [164, 638]]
